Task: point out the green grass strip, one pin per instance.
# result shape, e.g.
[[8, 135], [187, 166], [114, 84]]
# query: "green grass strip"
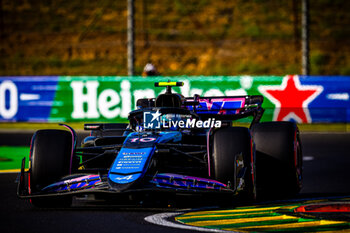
[[11, 157]]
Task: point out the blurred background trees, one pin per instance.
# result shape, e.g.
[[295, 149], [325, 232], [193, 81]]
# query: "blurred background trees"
[[181, 37]]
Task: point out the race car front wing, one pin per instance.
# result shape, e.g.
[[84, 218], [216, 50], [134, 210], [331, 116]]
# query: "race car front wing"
[[95, 183]]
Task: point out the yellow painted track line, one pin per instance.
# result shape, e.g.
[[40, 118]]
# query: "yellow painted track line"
[[10, 171], [262, 218], [222, 215], [290, 225], [239, 210], [240, 221], [13, 170]]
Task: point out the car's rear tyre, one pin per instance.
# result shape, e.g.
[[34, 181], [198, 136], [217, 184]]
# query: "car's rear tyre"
[[231, 146], [278, 158], [51, 152]]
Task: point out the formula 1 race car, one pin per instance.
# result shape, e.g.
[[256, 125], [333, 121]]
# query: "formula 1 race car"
[[171, 144]]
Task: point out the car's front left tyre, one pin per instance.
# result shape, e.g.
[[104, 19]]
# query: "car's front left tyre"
[[232, 160]]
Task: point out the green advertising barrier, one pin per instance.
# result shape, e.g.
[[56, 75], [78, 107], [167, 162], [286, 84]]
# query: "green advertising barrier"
[[110, 99], [304, 99]]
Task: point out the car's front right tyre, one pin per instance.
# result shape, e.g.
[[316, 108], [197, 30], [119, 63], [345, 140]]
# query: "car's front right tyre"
[[50, 160]]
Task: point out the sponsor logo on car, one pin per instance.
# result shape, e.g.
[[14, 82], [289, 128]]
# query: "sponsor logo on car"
[[124, 177], [134, 153], [156, 120]]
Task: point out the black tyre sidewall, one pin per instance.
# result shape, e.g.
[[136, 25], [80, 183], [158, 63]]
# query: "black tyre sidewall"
[[51, 152], [278, 158], [227, 144]]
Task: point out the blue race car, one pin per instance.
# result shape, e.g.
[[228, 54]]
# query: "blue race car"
[[171, 144]]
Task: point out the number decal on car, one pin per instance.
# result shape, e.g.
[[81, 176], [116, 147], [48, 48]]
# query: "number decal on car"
[[142, 139]]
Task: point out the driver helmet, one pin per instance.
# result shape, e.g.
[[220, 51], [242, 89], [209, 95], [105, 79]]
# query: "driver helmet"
[[149, 70]]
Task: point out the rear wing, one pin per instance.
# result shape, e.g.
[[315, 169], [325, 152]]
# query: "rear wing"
[[226, 107], [218, 107]]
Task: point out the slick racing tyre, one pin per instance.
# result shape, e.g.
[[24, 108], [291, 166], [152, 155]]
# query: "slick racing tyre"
[[51, 152], [278, 158], [232, 160]]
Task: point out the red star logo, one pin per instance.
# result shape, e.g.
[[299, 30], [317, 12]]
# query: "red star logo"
[[291, 99]]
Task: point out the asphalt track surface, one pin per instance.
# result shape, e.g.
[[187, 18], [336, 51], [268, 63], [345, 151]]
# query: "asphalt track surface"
[[326, 174]]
